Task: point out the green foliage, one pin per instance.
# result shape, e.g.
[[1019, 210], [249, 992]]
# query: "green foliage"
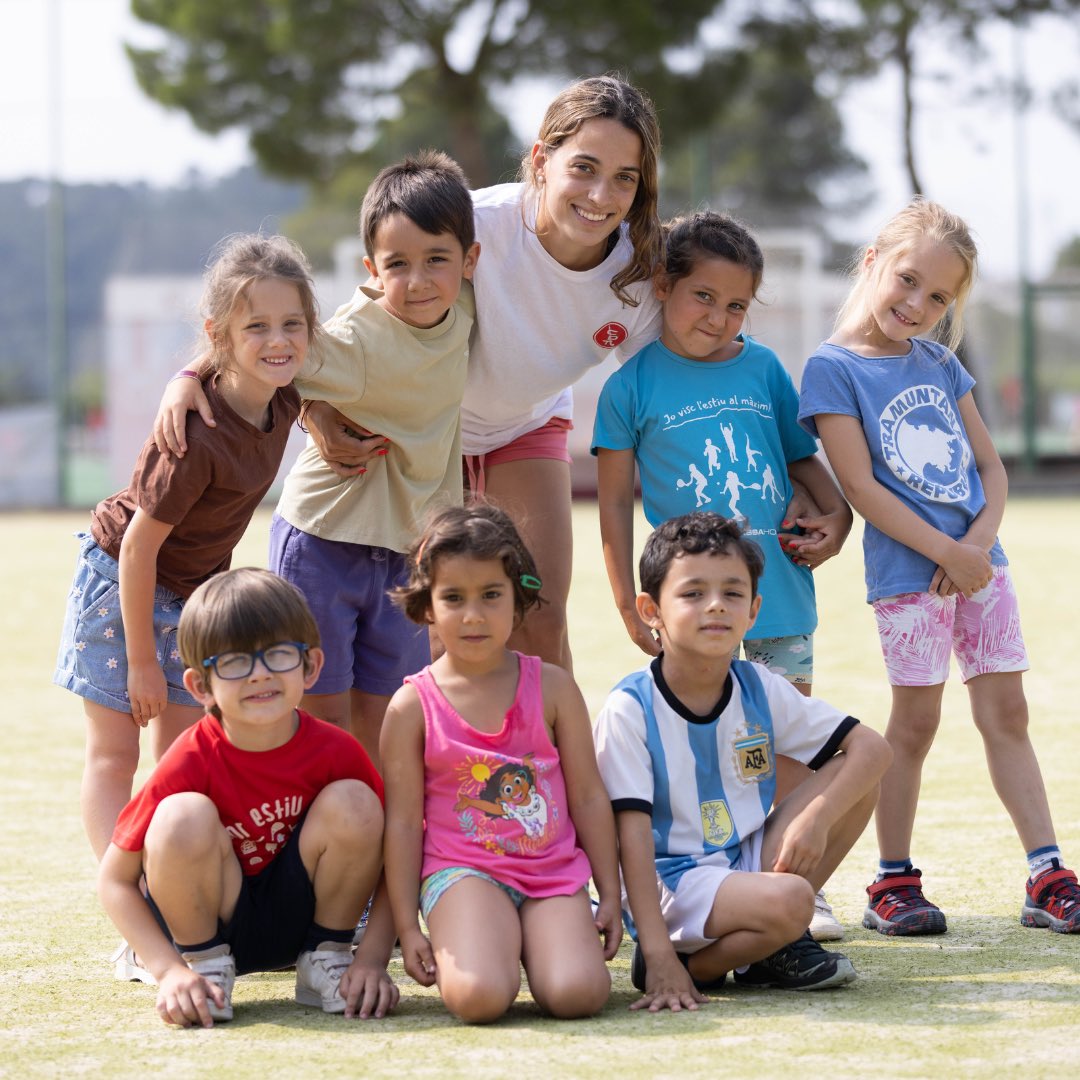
[[1068, 256]]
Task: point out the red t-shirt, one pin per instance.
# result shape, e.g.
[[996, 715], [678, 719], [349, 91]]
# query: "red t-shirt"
[[260, 794]]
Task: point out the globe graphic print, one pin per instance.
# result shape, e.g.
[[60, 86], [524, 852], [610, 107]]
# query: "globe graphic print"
[[929, 447]]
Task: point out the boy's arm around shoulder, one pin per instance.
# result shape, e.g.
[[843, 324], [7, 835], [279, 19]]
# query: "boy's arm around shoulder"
[[401, 748], [589, 805], [182, 994]]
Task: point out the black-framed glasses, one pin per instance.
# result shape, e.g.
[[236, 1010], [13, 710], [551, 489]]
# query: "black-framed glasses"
[[279, 657]]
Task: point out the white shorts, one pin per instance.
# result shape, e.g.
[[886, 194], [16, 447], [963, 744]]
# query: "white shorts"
[[687, 908]]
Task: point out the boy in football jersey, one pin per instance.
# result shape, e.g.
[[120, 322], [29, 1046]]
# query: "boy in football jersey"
[[257, 839], [714, 881]]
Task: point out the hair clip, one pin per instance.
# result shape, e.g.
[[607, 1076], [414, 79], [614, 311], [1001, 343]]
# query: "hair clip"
[[528, 581]]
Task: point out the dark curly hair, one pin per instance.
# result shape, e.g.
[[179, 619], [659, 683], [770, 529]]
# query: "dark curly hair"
[[480, 531], [692, 534]]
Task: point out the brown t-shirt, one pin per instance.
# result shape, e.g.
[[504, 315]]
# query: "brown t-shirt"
[[208, 495]]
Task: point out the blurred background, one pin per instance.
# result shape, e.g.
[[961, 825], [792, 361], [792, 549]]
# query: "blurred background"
[[137, 133]]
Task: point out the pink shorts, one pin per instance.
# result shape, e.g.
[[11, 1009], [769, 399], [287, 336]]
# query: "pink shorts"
[[918, 631], [547, 441]]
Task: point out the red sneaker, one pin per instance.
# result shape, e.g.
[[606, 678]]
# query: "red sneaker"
[[1053, 900], [897, 907]]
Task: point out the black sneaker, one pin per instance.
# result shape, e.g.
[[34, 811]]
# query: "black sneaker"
[[802, 965], [637, 973]]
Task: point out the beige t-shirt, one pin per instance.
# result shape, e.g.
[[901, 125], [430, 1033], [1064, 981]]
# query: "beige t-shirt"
[[399, 381]]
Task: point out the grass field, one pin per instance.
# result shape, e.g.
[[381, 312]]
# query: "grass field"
[[987, 999]]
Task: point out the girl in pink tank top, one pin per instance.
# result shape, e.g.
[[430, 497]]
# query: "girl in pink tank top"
[[495, 811]]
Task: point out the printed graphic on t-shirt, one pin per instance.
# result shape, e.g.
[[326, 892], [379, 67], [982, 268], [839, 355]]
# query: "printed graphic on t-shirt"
[[923, 444], [257, 840], [505, 805], [736, 477]]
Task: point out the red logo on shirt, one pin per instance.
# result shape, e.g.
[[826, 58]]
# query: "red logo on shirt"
[[611, 335]]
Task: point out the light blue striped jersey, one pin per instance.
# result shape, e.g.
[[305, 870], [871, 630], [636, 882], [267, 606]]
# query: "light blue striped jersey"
[[707, 782]]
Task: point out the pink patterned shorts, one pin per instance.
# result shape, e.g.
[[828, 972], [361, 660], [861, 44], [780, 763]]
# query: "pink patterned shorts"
[[918, 631]]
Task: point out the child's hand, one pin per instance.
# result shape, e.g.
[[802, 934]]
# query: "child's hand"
[[802, 846], [346, 450], [640, 632], [417, 956], [942, 584], [968, 565], [823, 537], [608, 922], [148, 691], [368, 990], [668, 986], [170, 425], [182, 997]]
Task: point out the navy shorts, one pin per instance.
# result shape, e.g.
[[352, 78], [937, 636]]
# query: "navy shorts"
[[369, 644], [274, 912]]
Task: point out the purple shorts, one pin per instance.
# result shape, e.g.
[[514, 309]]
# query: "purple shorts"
[[919, 630], [369, 644]]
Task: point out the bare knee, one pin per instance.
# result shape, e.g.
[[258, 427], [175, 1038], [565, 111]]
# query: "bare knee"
[[574, 992], [912, 732], [185, 827], [1002, 713], [788, 904], [348, 811], [478, 998]]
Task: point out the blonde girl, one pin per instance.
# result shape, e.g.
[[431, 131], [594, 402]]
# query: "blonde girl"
[[894, 410], [176, 523], [495, 812]]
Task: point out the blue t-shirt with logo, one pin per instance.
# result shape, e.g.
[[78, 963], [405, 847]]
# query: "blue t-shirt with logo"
[[918, 446], [717, 436]]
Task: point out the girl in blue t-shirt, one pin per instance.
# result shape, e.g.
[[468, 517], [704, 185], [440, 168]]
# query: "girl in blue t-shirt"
[[896, 416], [709, 418]]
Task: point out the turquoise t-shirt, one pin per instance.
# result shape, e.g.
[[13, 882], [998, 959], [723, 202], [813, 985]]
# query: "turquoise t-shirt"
[[717, 436]]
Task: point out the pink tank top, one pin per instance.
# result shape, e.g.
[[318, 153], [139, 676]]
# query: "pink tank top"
[[497, 802]]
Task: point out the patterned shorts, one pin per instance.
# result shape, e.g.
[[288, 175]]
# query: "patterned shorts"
[[791, 657], [434, 885], [919, 630]]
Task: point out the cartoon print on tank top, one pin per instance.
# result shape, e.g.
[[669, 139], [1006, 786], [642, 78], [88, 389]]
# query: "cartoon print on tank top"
[[506, 805]]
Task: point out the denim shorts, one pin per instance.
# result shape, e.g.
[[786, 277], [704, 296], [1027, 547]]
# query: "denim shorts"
[[92, 661], [369, 644]]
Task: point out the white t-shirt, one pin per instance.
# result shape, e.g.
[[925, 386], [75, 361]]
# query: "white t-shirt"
[[539, 326]]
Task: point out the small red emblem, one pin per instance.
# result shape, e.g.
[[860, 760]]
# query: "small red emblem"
[[611, 335]]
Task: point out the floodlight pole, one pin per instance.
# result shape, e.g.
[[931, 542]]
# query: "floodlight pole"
[[56, 254], [1028, 381]]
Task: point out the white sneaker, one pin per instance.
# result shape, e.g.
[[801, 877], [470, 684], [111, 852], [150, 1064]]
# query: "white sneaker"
[[127, 968], [318, 976], [216, 965], [825, 926]]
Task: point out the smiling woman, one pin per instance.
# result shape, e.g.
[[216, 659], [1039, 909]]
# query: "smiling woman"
[[563, 283]]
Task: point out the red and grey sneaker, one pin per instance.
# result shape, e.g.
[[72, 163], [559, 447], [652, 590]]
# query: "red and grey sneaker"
[[897, 906], [1053, 900]]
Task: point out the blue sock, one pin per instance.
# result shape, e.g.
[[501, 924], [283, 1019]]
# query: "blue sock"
[[893, 866], [1041, 858]]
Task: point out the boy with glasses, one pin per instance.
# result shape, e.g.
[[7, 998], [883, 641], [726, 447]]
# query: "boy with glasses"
[[257, 839]]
